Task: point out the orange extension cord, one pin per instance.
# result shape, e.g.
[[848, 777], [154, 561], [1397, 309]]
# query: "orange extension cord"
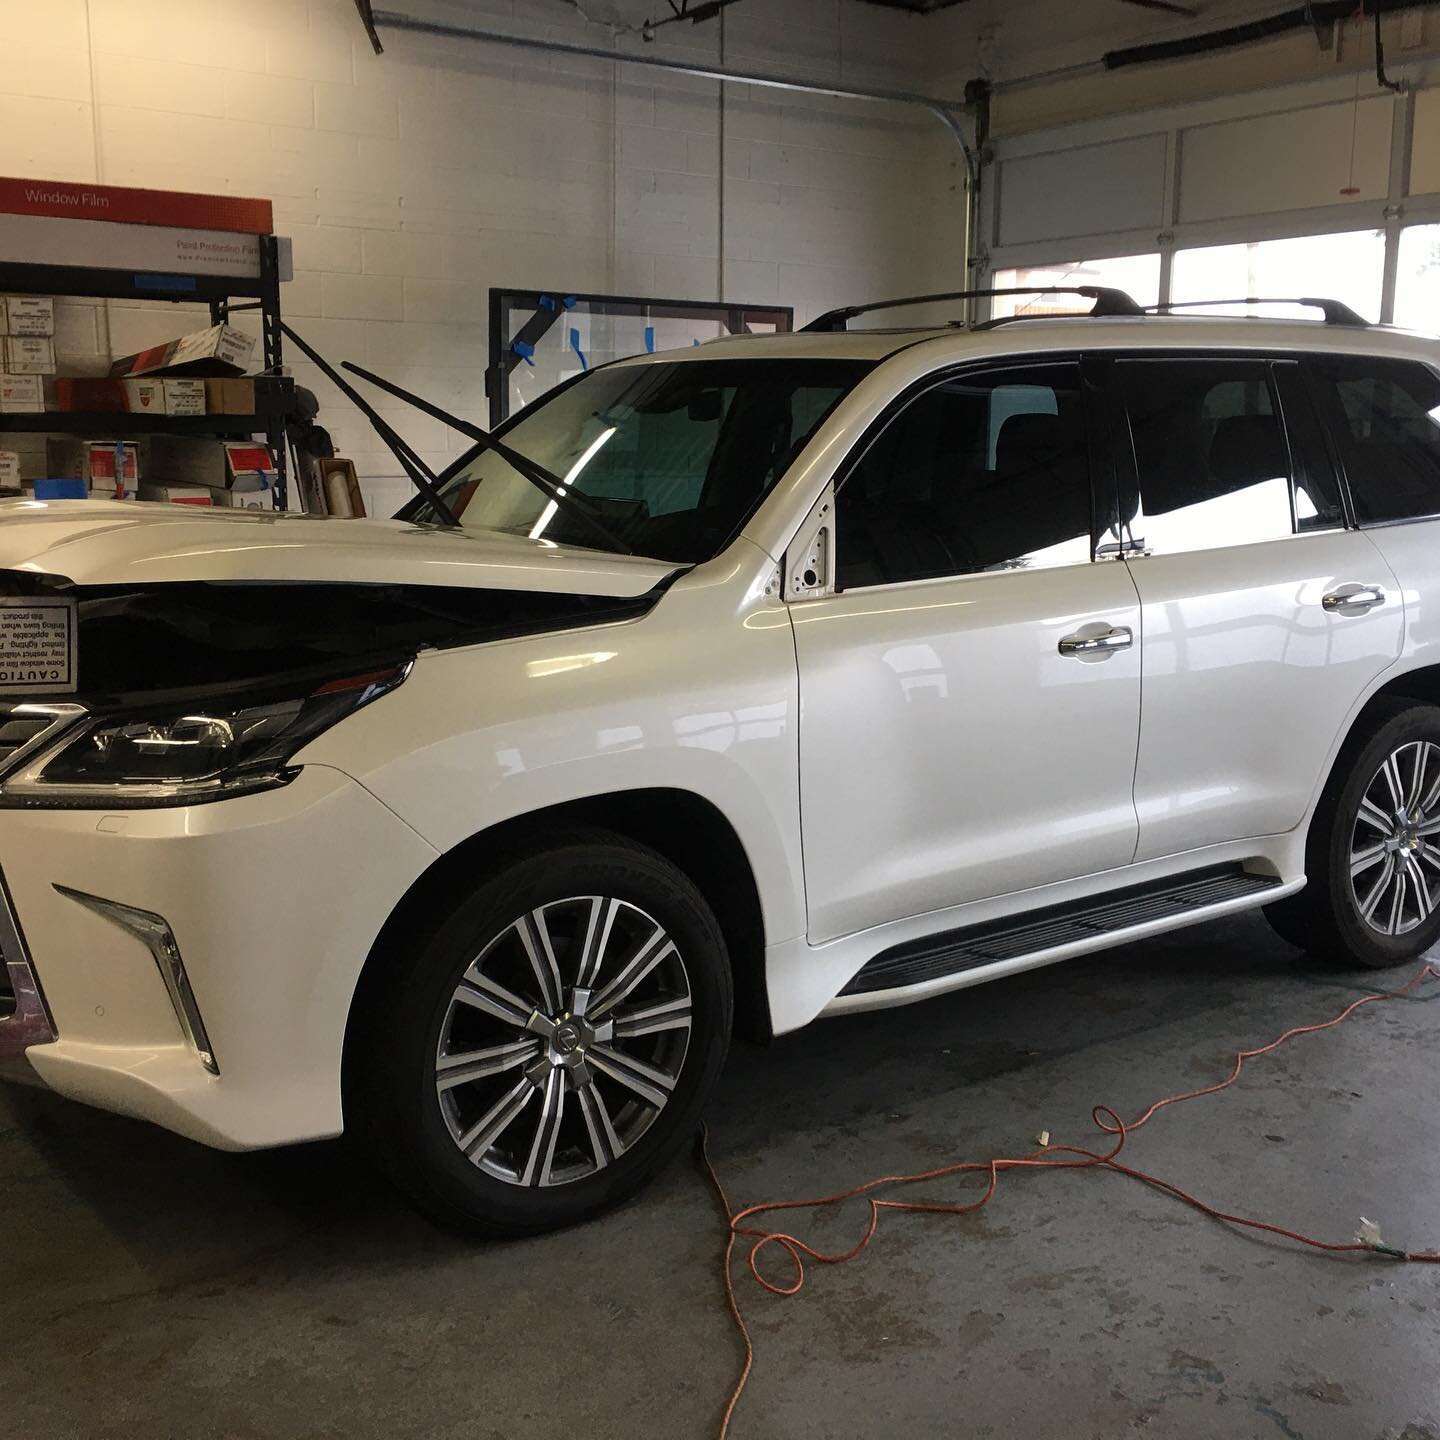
[[1042, 1159]]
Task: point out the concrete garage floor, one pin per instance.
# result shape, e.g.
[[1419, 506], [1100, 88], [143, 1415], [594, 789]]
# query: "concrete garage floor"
[[155, 1289]]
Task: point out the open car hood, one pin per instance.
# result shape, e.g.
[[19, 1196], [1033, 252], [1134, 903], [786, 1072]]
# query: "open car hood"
[[105, 542]]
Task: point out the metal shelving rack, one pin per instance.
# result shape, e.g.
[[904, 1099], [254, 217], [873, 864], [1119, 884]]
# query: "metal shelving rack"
[[220, 292]]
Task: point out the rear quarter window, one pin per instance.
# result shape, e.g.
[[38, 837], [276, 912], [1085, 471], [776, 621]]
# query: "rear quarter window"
[[1385, 417]]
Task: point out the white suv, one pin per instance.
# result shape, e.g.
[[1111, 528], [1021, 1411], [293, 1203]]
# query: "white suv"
[[772, 679]]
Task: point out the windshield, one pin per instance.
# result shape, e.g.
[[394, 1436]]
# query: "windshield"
[[670, 459]]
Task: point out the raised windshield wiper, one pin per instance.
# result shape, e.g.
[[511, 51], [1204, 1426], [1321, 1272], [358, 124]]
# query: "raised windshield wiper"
[[420, 473], [545, 481]]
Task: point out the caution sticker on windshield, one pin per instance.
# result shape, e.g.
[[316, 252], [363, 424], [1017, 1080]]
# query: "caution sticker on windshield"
[[37, 646]]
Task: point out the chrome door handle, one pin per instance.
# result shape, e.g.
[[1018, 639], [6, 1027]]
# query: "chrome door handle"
[[1117, 637], [1353, 599]]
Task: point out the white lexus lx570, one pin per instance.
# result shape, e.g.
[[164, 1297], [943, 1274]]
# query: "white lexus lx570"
[[827, 671]]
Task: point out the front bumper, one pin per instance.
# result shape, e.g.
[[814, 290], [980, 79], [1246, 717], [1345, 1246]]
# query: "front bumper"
[[272, 902]]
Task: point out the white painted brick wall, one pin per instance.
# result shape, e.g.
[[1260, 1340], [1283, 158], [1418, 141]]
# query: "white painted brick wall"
[[413, 182]]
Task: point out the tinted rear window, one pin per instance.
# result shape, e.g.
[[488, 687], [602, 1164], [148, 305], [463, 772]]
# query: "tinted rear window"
[[1210, 453], [1385, 416]]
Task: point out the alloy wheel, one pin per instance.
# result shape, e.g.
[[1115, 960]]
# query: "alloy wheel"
[[563, 1041], [1395, 841]]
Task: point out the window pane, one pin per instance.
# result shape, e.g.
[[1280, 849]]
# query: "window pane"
[[1346, 267], [671, 458], [1137, 275], [1386, 418], [1417, 281], [984, 472], [1210, 454], [1317, 485]]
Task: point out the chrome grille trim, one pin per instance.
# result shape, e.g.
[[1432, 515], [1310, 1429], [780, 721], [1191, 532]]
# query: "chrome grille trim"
[[22, 715], [154, 932]]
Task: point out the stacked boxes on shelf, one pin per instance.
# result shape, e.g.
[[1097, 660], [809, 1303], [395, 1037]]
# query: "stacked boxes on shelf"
[[27, 352], [237, 474], [193, 376]]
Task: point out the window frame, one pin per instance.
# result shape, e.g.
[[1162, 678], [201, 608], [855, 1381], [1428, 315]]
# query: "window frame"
[[1096, 442], [1127, 464], [1328, 423]]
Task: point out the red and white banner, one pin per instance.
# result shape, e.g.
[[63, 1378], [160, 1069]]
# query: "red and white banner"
[[125, 205]]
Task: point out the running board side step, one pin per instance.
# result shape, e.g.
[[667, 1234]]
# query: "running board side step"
[[1060, 927]]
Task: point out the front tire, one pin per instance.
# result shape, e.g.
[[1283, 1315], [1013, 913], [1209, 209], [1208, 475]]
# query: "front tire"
[[543, 1051], [1373, 853]]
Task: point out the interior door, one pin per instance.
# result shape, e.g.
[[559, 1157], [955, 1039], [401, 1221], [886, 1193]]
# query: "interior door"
[[970, 695], [1264, 618]]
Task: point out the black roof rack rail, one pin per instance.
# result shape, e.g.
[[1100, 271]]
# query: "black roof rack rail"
[[1108, 301], [1335, 312]]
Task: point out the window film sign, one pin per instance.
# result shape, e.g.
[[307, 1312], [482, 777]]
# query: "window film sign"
[[37, 646], [125, 205], [50, 222]]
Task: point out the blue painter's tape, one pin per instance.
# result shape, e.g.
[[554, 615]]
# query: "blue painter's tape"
[[61, 490], [570, 302], [575, 346], [649, 339], [547, 303], [525, 351]]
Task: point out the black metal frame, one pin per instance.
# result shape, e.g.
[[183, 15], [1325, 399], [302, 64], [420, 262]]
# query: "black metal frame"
[[96, 283], [504, 359]]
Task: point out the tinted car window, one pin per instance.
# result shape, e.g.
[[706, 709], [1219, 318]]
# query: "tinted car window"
[[1317, 485], [986, 471], [671, 458], [1210, 453], [1385, 416]]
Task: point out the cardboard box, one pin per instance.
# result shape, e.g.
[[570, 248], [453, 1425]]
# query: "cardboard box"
[[184, 397], [219, 464], [21, 394], [341, 486], [249, 466], [157, 396], [260, 395], [188, 460], [71, 393], [30, 315], [9, 467], [92, 460], [29, 355], [219, 351], [230, 397], [244, 499], [144, 395], [177, 494]]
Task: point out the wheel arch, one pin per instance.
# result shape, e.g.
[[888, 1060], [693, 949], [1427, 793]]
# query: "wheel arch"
[[685, 828], [1420, 685]]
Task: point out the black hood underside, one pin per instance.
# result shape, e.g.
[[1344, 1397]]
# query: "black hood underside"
[[204, 637]]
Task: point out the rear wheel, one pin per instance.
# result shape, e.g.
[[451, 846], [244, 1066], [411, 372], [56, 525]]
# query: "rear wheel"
[[549, 1046], [1373, 855]]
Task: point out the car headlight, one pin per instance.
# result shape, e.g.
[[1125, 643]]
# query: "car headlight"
[[189, 753]]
